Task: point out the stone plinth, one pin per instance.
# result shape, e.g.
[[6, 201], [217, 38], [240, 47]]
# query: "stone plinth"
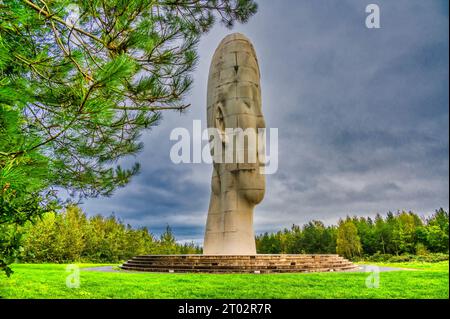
[[238, 263]]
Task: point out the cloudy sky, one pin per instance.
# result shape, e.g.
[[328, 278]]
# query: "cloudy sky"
[[362, 114]]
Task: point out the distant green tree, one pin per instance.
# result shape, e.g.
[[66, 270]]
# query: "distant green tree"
[[71, 233], [392, 234], [138, 242], [382, 235], [168, 242], [40, 241], [315, 238], [437, 231], [366, 231], [330, 239], [268, 244], [294, 244], [190, 248], [348, 242], [435, 237], [403, 233]]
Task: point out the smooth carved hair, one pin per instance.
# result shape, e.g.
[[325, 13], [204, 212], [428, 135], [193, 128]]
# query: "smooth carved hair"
[[234, 74]]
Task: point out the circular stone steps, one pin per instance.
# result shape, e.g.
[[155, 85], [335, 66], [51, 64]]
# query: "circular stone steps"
[[239, 263]]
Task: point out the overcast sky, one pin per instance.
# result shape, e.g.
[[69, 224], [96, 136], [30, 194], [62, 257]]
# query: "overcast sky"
[[362, 114]]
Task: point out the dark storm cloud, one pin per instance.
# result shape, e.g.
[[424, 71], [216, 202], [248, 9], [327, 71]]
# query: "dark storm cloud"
[[362, 117]]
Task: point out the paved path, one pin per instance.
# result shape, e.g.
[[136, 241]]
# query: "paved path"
[[361, 268], [371, 268], [101, 268]]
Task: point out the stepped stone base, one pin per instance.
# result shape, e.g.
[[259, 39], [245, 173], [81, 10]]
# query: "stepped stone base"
[[238, 263]]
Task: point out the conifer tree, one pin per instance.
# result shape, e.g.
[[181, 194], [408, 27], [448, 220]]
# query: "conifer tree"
[[79, 82], [348, 242]]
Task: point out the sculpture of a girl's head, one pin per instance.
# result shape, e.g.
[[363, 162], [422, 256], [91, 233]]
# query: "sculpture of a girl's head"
[[234, 109]]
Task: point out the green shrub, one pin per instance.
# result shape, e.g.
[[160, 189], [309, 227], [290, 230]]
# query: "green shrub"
[[72, 237], [388, 258]]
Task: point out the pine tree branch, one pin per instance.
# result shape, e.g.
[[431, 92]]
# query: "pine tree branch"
[[155, 108], [80, 110], [61, 21]]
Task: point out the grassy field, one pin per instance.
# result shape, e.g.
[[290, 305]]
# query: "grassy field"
[[428, 280]]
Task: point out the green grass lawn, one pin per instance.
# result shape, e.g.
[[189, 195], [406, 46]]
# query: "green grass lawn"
[[429, 280]]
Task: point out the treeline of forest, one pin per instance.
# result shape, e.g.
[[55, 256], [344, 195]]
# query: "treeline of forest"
[[73, 237], [402, 233]]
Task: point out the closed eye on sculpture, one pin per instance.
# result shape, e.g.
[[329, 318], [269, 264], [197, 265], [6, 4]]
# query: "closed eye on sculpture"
[[219, 121]]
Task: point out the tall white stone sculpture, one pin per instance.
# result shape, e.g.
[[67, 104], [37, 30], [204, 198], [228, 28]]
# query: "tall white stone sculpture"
[[234, 101]]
